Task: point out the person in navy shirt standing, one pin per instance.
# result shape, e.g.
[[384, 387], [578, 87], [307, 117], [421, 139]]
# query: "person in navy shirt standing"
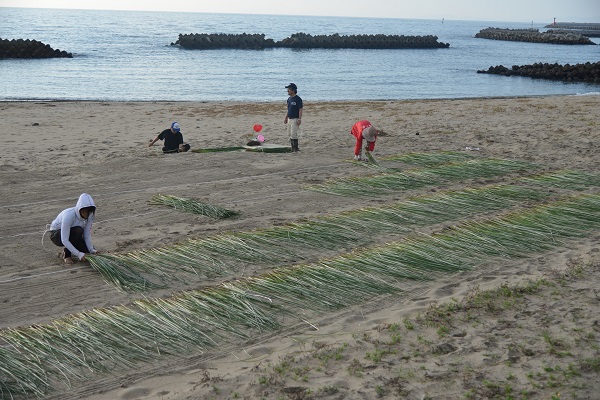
[[293, 118]]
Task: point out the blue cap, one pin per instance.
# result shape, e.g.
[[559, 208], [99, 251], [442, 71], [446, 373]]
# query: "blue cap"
[[175, 126]]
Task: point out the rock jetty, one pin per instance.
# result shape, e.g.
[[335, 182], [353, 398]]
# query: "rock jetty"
[[206, 41], [581, 28], [588, 72], [533, 35], [336, 41], [26, 48]]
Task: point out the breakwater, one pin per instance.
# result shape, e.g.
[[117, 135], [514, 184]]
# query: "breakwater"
[[26, 48], [587, 72], [533, 36], [204, 41], [581, 28]]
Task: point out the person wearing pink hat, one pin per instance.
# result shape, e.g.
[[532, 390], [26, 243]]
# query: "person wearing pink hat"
[[363, 130]]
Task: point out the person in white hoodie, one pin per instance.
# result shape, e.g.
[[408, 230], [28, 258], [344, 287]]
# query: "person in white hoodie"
[[72, 229]]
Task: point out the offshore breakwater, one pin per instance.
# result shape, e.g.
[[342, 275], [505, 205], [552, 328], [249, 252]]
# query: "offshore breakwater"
[[26, 48], [582, 28], [587, 72], [533, 36], [205, 41]]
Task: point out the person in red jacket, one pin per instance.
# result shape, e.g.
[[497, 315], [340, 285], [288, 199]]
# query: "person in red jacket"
[[363, 130]]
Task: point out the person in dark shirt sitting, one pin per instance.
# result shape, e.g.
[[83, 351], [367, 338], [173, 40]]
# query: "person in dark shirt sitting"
[[173, 140]]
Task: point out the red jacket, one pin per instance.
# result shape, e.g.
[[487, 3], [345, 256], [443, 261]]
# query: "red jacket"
[[357, 130]]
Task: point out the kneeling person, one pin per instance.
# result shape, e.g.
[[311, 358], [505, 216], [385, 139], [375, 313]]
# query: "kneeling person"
[[173, 140], [72, 229]]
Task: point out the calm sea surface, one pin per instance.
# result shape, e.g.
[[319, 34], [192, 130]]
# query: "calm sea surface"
[[123, 55]]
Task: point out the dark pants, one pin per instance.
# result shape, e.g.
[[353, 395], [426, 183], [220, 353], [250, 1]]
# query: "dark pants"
[[75, 237], [186, 147]]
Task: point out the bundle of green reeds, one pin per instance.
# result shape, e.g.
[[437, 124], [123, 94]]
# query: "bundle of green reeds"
[[371, 159], [193, 206]]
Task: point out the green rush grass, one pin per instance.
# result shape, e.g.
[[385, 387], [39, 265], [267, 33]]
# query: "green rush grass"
[[192, 206], [389, 182], [33, 359], [259, 149], [430, 159], [565, 179], [220, 255], [218, 149]]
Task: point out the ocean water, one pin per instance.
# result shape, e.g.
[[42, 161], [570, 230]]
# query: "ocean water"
[[126, 55]]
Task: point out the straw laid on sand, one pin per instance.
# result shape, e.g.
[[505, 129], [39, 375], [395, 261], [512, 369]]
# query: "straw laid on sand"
[[193, 206], [37, 357], [391, 181], [219, 255]]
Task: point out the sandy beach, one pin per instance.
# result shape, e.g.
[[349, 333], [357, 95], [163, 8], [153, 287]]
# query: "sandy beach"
[[535, 335]]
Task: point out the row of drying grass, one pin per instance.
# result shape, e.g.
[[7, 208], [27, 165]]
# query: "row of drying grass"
[[430, 159], [564, 179], [391, 181], [36, 357], [222, 254]]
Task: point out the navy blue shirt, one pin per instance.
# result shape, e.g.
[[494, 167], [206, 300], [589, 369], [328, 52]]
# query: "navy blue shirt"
[[172, 140], [294, 105]]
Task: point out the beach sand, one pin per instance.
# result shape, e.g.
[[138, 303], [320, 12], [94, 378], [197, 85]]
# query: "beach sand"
[[545, 344]]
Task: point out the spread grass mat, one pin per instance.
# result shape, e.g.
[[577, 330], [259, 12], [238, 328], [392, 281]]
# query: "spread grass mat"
[[222, 254], [490, 223], [35, 359], [390, 181]]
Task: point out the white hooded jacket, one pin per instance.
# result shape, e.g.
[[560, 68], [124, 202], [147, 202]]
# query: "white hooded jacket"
[[71, 217]]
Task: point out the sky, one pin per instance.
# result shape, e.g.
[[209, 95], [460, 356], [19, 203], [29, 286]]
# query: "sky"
[[539, 11]]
